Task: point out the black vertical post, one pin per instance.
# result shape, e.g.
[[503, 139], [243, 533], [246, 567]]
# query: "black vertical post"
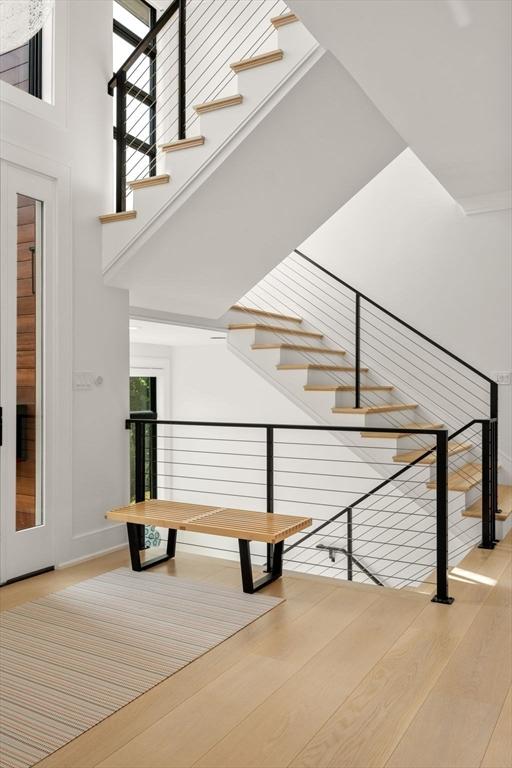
[[152, 107], [494, 455], [140, 473], [358, 350], [349, 545], [270, 488], [121, 141], [441, 595], [35, 65], [487, 515], [182, 65]]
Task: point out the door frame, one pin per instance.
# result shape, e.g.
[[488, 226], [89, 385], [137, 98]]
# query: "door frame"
[[33, 549]]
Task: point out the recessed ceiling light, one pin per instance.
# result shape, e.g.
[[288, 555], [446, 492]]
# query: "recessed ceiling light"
[[217, 337], [134, 328]]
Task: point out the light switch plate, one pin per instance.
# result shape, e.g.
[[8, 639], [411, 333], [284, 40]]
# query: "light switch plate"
[[83, 380]]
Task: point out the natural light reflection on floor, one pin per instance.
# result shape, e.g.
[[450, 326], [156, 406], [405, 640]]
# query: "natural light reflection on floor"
[[459, 574]]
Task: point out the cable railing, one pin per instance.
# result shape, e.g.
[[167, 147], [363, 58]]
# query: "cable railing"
[[382, 352], [400, 531], [182, 61]]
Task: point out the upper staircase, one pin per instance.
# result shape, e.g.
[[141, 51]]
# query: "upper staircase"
[[241, 165]]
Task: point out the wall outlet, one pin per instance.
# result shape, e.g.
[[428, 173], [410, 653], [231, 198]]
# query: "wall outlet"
[[504, 377]]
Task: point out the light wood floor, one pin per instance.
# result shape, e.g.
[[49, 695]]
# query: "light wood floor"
[[338, 675]]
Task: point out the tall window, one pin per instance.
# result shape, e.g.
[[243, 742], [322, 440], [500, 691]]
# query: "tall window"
[[132, 21], [143, 400], [23, 66]]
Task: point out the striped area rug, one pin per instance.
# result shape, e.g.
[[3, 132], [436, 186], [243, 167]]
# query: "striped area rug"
[[71, 659]]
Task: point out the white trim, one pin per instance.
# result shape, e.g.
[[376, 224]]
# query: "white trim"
[[86, 558]]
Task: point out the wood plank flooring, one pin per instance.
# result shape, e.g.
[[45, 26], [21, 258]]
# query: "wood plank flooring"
[[341, 675]]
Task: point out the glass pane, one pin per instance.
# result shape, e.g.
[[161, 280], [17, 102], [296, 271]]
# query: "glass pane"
[[137, 119], [143, 398], [29, 512], [131, 14], [14, 67]]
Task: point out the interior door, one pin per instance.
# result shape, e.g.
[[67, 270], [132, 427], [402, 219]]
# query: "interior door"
[[25, 521]]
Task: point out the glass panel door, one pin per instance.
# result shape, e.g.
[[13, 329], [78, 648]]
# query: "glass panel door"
[[29, 507]]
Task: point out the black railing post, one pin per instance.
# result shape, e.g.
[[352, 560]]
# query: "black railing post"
[[358, 351], [349, 545], [270, 488], [121, 141], [494, 455], [487, 507], [182, 66], [140, 473], [441, 595]]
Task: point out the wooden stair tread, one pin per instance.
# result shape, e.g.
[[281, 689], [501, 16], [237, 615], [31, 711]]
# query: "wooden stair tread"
[[273, 329], [398, 435], [257, 61], [301, 348], [504, 504], [107, 218], [462, 479], [264, 313], [216, 521], [316, 367], [285, 18], [150, 181], [408, 456], [376, 408], [175, 146], [211, 106]]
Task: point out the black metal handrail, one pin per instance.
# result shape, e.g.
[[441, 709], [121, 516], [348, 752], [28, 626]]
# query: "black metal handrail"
[[441, 436]]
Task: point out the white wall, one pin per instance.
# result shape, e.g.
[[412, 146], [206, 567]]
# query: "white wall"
[[71, 143], [403, 241]]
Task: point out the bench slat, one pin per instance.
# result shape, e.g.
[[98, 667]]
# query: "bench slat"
[[217, 521]]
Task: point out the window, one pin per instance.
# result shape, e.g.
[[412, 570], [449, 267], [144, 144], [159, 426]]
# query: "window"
[[22, 67], [132, 21], [143, 400]]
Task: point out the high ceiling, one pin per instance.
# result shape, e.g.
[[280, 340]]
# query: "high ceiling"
[[440, 72]]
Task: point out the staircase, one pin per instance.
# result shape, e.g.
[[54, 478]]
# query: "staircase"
[[242, 151], [273, 331]]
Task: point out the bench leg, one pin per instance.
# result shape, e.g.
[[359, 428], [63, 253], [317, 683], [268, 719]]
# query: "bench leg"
[[249, 585], [134, 538]]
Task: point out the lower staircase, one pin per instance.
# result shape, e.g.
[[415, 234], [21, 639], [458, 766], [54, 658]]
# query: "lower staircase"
[[301, 360]]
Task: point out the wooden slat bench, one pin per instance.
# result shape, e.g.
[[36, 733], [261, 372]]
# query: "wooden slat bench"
[[239, 524]]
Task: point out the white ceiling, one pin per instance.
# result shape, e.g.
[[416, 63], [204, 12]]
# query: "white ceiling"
[[440, 72], [144, 332]]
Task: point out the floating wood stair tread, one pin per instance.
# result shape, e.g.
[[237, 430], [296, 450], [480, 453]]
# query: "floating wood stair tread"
[[264, 313], [175, 146], [377, 408], [107, 218], [462, 479], [317, 367], [150, 181], [398, 435], [344, 388], [301, 348], [504, 504], [211, 106], [285, 18], [408, 456], [216, 521], [257, 61], [273, 329]]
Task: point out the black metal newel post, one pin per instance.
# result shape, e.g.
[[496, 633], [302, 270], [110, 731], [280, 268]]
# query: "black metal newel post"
[[349, 545], [140, 473], [270, 488], [487, 507], [441, 595], [358, 350], [494, 456], [121, 141], [182, 66]]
